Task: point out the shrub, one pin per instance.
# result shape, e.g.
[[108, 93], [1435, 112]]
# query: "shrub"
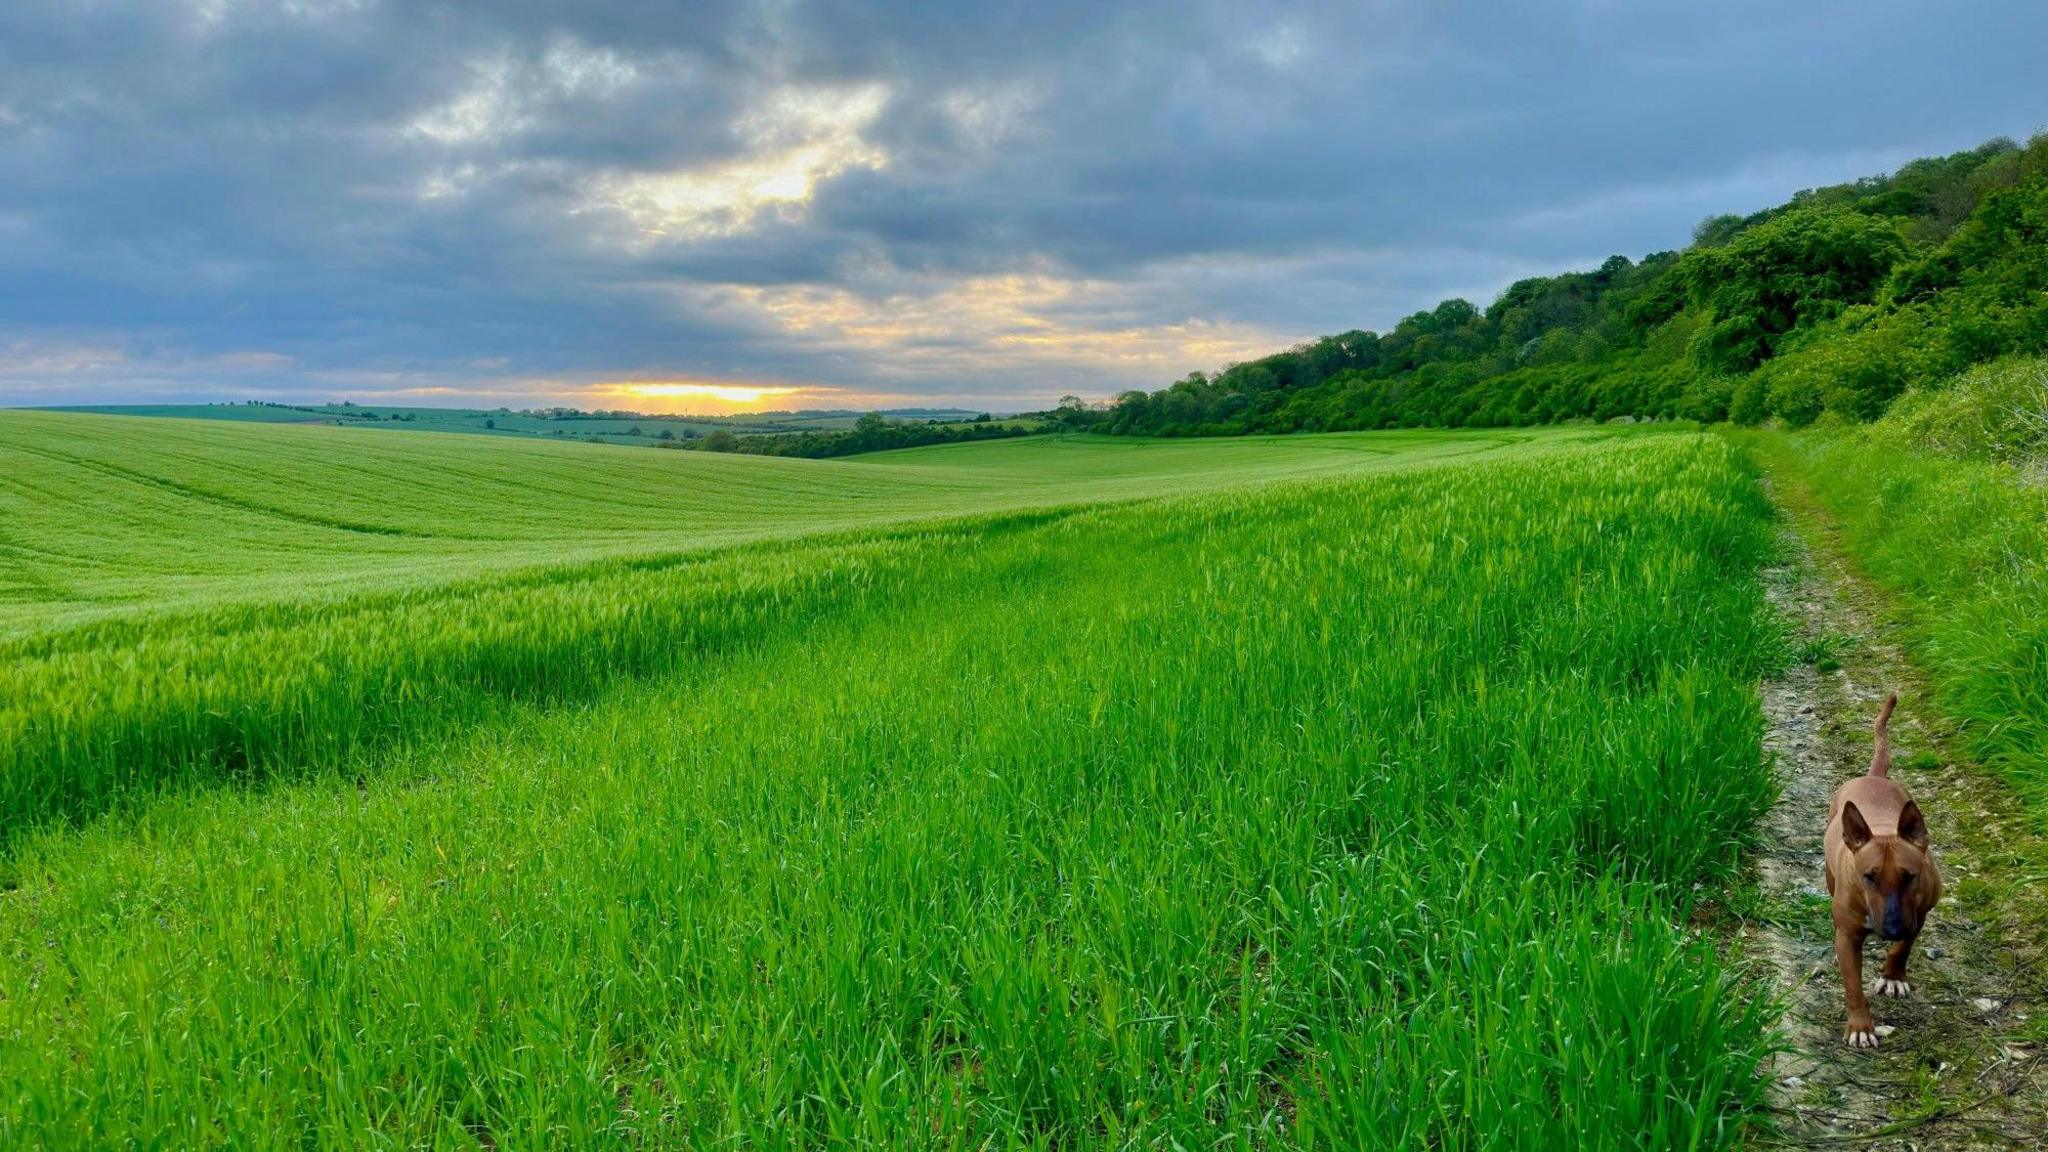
[[1795, 394], [1747, 405]]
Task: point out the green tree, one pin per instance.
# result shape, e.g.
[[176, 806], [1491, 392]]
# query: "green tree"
[[1072, 414], [1795, 271]]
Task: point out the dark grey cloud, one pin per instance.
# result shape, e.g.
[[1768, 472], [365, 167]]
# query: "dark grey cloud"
[[995, 201]]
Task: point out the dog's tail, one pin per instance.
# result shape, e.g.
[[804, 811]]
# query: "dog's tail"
[[1881, 763]]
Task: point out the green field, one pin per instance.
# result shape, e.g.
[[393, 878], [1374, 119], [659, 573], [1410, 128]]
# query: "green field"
[[641, 429], [105, 516], [449, 792]]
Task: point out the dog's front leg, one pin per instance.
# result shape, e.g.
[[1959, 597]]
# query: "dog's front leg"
[[1860, 1032], [1892, 981]]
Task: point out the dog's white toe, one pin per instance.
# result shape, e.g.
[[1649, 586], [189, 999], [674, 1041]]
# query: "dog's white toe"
[[1896, 988], [1861, 1038]]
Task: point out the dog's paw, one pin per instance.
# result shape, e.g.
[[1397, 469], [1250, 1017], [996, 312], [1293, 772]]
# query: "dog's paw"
[[1895, 988], [1864, 1037]]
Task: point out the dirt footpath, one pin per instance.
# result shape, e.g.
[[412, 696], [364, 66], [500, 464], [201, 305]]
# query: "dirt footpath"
[[1955, 1067]]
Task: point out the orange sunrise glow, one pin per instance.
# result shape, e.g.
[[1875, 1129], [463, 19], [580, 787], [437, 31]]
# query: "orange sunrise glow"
[[725, 396]]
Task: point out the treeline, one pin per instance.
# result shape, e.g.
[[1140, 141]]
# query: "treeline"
[[870, 433], [1834, 302]]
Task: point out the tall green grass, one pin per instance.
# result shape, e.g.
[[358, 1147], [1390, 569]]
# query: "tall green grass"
[[1354, 813], [1943, 506], [138, 702], [91, 718]]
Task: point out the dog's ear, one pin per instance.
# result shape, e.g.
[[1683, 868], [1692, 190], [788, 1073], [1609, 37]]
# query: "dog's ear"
[[1913, 826], [1855, 830]]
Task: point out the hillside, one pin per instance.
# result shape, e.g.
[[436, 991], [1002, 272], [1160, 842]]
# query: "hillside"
[[1835, 302], [102, 515]]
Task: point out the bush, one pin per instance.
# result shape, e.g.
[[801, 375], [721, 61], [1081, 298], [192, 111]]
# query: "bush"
[[1795, 394], [1707, 399], [1747, 405]]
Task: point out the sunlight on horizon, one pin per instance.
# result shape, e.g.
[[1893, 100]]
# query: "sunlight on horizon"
[[731, 397]]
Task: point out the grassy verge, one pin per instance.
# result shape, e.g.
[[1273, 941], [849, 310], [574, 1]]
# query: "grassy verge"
[[1353, 813], [1942, 508]]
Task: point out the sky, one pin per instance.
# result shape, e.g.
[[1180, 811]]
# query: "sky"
[[780, 204]]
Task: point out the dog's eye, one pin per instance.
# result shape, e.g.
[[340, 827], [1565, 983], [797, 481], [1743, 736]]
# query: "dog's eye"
[[1870, 877], [1905, 878]]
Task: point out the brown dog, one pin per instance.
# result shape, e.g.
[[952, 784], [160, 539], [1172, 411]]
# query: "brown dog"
[[1882, 878]]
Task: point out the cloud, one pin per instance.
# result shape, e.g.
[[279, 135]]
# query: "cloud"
[[984, 203], [797, 139]]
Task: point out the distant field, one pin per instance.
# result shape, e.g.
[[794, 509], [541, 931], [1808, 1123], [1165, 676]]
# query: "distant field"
[[638, 430], [103, 516], [1320, 792]]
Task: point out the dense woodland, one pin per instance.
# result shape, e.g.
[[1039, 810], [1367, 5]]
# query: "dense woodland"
[[1834, 302]]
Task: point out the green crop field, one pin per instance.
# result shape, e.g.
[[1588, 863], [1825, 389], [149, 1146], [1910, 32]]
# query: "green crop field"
[[625, 428], [105, 516], [458, 792]]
